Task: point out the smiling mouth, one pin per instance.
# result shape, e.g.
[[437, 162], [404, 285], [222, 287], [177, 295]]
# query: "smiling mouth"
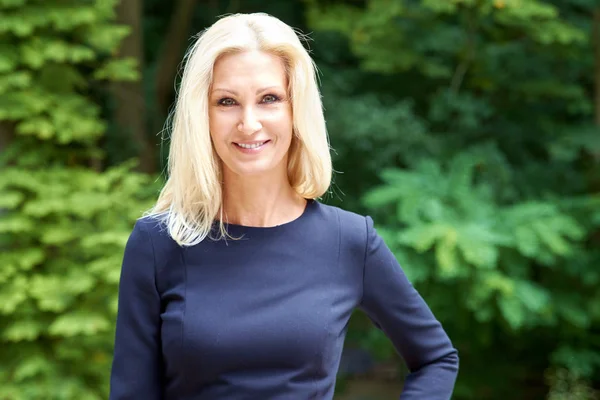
[[255, 145]]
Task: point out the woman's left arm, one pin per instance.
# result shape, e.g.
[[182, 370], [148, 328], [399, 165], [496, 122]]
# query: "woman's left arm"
[[395, 306]]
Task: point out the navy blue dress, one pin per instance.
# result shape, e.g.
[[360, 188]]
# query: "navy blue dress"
[[265, 317]]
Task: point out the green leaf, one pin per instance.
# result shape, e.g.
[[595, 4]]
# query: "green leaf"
[[32, 366], [119, 70], [58, 235], [50, 293], [105, 37], [23, 330], [446, 254], [10, 199], [423, 237], [534, 297], [15, 224], [79, 323], [512, 311], [13, 294]]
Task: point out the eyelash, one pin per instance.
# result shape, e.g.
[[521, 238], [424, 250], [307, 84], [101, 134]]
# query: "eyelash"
[[274, 96]]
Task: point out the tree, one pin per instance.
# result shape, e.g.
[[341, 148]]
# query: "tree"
[[472, 121], [130, 102], [64, 218], [173, 49]]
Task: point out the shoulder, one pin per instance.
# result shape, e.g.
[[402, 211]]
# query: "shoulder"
[[156, 228], [156, 232], [354, 228], [347, 218]]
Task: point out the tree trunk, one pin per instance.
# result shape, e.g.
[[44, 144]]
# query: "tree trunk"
[[7, 134], [172, 52], [596, 42], [130, 113]]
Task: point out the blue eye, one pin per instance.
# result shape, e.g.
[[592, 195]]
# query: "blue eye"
[[226, 101], [270, 98]]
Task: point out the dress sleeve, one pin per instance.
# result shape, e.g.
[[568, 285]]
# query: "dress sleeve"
[[136, 368], [393, 304]]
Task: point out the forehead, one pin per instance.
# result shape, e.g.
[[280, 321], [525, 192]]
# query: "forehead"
[[249, 67]]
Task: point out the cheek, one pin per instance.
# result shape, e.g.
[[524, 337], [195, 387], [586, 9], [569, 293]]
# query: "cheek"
[[281, 121], [220, 125]]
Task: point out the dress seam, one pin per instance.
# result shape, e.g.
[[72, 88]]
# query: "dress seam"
[[339, 224], [158, 293], [364, 267], [155, 269], [185, 287]]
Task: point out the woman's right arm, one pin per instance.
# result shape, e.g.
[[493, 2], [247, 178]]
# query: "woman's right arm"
[[136, 370]]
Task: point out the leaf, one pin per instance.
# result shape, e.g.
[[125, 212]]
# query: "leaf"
[[13, 294], [78, 323], [480, 244], [10, 199], [15, 224], [382, 196], [31, 367], [446, 254], [494, 281], [512, 311], [105, 37], [572, 312], [580, 361], [58, 235], [534, 297], [27, 258], [50, 293], [423, 237], [124, 70], [12, 3], [117, 238], [23, 330]]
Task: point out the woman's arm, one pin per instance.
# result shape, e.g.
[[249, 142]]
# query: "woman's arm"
[[136, 369], [391, 301]]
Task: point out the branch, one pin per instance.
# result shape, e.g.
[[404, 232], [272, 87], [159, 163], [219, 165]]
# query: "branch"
[[130, 113], [463, 67], [172, 52]]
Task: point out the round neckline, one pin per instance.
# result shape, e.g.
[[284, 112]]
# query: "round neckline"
[[310, 205]]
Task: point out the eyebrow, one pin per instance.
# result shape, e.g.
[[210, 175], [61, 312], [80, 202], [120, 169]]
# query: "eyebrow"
[[263, 89]]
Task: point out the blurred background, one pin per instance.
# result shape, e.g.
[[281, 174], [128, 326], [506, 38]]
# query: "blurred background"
[[468, 129]]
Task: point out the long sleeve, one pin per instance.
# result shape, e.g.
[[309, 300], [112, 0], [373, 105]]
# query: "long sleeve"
[[136, 368], [394, 305]]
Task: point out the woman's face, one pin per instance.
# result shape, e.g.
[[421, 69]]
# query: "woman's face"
[[250, 114]]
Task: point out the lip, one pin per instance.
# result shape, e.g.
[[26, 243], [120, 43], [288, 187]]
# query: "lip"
[[251, 141], [254, 150]]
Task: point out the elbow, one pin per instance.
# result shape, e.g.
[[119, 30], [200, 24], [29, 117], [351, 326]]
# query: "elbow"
[[452, 361], [447, 362]]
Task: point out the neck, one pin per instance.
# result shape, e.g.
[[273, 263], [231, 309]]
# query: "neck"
[[260, 201]]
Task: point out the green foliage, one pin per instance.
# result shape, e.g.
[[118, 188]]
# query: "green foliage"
[[463, 126], [64, 220], [44, 62], [472, 143], [490, 247]]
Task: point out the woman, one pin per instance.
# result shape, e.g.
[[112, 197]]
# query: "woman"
[[239, 284]]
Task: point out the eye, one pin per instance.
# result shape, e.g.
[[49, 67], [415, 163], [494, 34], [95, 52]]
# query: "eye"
[[270, 98], [226, 102]]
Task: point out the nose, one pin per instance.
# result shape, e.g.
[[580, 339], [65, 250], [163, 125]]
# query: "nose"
[[250, 122]]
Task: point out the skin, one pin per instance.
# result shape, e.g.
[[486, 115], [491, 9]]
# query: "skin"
[[248, 104]]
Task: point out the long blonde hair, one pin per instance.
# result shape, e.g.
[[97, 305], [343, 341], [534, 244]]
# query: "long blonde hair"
[[191, 199]]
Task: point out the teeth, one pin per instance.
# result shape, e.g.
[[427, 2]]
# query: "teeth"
[[250, 146]]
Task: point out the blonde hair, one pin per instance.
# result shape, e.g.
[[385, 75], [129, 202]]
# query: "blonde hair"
[[191, 199]]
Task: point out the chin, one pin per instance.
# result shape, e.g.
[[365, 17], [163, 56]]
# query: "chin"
[[253, 170]]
